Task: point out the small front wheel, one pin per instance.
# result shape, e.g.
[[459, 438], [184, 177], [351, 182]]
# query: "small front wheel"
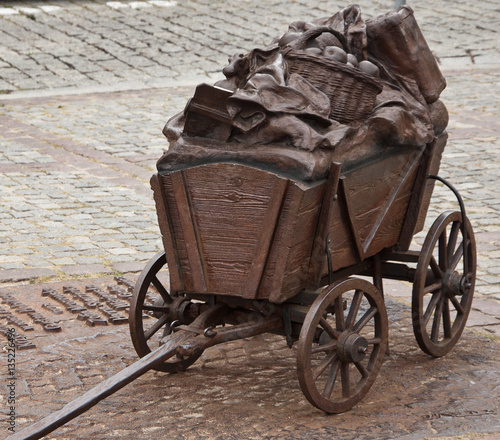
[[342, 344], [443, 286], [150, 316]]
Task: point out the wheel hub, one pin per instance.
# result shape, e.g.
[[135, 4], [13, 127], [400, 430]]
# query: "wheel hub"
[[455, 284], [352, 347]]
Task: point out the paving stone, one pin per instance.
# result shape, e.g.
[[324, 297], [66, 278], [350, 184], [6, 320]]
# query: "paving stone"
[[480, 319], [10, 275], [125, 267], [83, 269]]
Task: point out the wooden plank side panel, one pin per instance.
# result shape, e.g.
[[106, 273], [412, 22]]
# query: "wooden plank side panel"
[[293, 248], [365, 222], [263, 246], [400, 219], [188, 226], [307, 222], [342, 246], [296, 275], [231, 206], [307, 216], [168, 238], [371, 208], [390, 229], [176, 231], [248, 232], [286, 229], [369, 187], [417, 197], [342, 242], [387, 228], [347, 212], [370, 184], [435, 162]]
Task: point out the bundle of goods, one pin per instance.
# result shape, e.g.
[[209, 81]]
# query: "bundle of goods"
[[327, 88]]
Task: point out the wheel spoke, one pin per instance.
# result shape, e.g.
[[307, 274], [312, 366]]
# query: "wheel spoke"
[[374, 341], [353, 311], [364, 372], [457, 256], [458, 307], [432, 287], [339, 313], [321, 368], [431, 307], [438, 273], [156, 326], [333, 333], [442, 249], [436, 324], [365, 319], [346, 379], [332, 377], [446, 319], [324, 348], [161, 290], [151, 308], [452, 240]]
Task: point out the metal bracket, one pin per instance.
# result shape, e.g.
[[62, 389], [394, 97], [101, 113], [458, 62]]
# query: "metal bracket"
[[463, 213], [210, 332]]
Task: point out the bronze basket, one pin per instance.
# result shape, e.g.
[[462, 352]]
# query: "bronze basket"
[[351, 91]]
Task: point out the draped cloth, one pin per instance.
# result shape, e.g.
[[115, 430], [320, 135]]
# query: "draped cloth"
[[271, 107]]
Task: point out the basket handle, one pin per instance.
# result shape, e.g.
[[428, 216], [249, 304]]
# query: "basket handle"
[[300, 42]]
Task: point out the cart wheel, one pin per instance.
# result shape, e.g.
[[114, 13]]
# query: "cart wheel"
[[444, 285], [149, 316], [342, 344]]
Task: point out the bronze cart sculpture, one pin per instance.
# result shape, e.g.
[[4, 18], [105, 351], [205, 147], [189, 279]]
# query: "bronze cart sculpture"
[[280, 236]]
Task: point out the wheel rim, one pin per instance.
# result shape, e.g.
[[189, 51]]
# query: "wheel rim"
[[150, 316], [444, 285], [340, 352]]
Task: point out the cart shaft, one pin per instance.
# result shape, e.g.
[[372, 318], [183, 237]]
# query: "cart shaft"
[[101, 391], [188, 340]]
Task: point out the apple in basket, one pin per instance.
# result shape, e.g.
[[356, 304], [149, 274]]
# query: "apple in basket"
[[352, 60], [370, 68], [336, 53], [314, 51]]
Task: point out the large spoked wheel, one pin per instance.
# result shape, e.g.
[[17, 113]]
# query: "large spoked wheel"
[[150, 314], [444, 284], [342, 344]]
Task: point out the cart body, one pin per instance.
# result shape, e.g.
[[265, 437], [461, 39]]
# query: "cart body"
[[237, 230]]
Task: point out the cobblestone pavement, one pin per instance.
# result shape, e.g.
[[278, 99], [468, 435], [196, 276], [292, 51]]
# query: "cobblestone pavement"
[[85, 89], [248, 388], [74, 44]]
